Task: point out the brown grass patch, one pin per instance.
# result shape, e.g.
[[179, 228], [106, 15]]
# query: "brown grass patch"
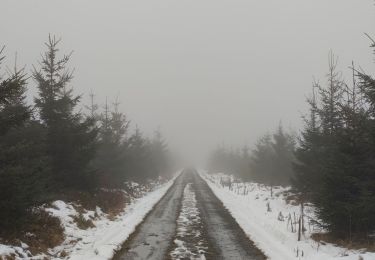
[[40, 232], [83, 223], [111, 202], [356, 243], [291, 198], [47, 231], [11, 257]]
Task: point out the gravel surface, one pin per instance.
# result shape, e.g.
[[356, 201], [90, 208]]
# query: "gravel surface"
[[189, 222]]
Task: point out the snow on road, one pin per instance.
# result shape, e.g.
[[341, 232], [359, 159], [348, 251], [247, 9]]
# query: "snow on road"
[[189, 242], [187, 220], [99, 242], [103, 241], [269, 227]]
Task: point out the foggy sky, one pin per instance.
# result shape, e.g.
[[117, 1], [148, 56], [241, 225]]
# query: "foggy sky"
[[206, 72]]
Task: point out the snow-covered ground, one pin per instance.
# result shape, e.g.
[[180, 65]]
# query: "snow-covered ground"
[[267, 221], [101, 241]]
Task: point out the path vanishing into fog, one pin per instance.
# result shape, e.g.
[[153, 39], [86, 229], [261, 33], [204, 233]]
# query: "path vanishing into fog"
[[189, 222]]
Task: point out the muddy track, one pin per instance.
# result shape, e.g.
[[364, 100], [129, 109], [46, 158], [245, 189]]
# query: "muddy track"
[[159, 237], [226, 237], [152, 238]]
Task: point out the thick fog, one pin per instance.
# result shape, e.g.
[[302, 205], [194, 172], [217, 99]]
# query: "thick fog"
[[205, 72]]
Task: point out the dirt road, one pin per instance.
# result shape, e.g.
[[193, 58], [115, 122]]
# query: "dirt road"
[[189, 222]]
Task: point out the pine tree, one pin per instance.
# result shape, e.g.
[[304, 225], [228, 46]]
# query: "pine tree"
[[244, 163], [307, 164], [261, 160], [326, 165], [272, 158], [283, 147], [331, 99], [23, 161], [14, 111], [119, 124], [139, 164], [366, 184], [218, 159], [71, 139], [93, 107], [334, 165], [159, 154], [110, 161]]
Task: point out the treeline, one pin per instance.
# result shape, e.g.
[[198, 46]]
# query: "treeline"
[[333, 163], [51, 148], [270, 162], [336, 154]]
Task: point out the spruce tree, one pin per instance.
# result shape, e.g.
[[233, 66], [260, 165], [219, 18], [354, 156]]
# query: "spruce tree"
[[271, 160], [283, 147], [367, 181], [331, 176], [217, 160], [71, 139], [110, 161], [159, 154], [261, 160], [23, 161], [307, 166], [335, 157], [139, 165]]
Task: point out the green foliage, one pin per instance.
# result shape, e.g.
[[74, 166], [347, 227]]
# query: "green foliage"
[[110, 160], [13, 110], [23, 173], [335, 159], [147, 159], [120, 157], [71, 139], [270, 162], [23, 163], [53, 149], [272, 158], [230, 161]]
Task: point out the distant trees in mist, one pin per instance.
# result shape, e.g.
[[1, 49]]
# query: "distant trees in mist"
[[270, 161], [51, 147], [332, 162]]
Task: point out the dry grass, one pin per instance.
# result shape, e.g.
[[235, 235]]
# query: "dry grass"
[[110, 202], [291, 198], [83, 223], [47, 230], [40, 232], [356, 243]]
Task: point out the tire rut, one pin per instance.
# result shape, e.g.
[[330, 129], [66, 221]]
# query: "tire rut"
[[189, 222]]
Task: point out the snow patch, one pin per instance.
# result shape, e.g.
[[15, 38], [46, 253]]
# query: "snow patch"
[[102, 241], [189, 243], [265, 219]]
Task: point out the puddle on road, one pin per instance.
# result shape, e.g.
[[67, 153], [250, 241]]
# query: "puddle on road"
[[189, 242]]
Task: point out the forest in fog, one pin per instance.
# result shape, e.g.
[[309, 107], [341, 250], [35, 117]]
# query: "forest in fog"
[[58, 147], [217, 139], [331, 162]]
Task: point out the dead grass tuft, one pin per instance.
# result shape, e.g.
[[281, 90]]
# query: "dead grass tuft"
[[111, 202], [40, 232], [83, 223], [47, 231], [292, 198], [356, 243]]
